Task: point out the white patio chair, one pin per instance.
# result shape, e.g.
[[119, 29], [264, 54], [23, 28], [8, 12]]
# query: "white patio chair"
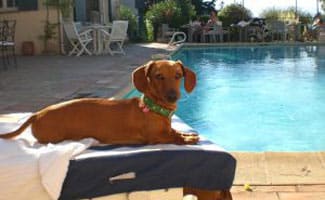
[[278, 29], [117, 36], [213, 32], [78, 40]]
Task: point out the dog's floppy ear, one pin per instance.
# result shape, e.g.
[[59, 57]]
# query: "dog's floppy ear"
[[189, 78], [140, 76]]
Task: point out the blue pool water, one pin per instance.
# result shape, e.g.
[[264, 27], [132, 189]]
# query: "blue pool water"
[[267, 98]]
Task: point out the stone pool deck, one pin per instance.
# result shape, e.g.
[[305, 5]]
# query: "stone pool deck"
[[43, 80], [280, 175]]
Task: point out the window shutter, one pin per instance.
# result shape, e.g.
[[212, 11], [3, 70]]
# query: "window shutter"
[[27, 4]]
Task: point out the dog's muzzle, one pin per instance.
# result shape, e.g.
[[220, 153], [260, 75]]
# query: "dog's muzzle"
[[171, 96]]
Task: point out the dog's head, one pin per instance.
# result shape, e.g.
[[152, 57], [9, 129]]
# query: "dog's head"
[[161, 80]]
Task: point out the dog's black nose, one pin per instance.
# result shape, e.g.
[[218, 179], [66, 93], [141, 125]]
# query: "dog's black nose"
[[171, 96]]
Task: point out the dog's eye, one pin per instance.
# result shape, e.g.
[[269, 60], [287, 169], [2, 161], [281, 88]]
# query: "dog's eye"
[[160, 77], [178, 76]]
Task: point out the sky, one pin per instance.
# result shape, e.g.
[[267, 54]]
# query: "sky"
[[257, 6]]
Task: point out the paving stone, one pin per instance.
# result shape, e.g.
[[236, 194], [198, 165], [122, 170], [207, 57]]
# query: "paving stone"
[[302, 195], [250, 168], [235, 188], [294, 168], [255, 196], [61, 77], [321, 156], [266, 188], [311, 188], [104, 81]]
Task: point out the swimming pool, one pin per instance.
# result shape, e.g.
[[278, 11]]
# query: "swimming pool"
[[257, 98]]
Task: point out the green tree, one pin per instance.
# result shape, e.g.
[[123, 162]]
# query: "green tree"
[[271, 14], [286, 15], [172, 12], [187, 12], [234, 13], [163, 12], [203, 7], [127, 14]]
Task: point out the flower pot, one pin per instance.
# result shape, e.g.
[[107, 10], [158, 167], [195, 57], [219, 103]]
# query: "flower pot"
[[27, 48]]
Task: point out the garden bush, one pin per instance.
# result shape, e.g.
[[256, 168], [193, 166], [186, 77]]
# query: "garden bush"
[[286, 15], [127, 14], [172, 12], [234, 13]]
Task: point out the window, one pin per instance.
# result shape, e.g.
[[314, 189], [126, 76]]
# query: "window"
[[7, 5], [15, 5]]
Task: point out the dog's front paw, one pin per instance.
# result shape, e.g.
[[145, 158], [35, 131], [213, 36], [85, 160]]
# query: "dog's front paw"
[[185, 138], [189, 134], [189, 138]]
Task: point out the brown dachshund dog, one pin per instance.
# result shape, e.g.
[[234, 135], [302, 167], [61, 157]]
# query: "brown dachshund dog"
[[130, 121]]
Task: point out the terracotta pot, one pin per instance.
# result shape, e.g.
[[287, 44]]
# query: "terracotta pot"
[[27, 48]]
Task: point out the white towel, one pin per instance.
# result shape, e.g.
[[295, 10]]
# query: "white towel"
[[30, 170]]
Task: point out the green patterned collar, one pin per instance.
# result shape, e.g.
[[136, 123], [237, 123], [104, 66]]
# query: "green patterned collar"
[[149, 104]]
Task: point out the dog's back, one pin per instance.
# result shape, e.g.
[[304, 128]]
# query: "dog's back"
[[109, 121]]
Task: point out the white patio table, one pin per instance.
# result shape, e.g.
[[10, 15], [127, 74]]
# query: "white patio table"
[[98, 36]]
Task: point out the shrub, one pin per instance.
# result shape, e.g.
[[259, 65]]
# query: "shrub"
[[127, 14], [286, 15], [187, 12], [204, 7], [205, 18], [234, 13], [160, 13], [149, 29], [271, 14], [172, 12]]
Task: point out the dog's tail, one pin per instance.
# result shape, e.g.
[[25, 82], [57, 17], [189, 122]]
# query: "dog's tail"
[[20, 129]]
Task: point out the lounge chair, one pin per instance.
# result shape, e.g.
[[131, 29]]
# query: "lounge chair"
[[116, 172], [108, 170]]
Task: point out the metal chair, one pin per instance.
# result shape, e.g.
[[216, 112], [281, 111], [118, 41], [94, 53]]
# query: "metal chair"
[[278, 29], [321, 34], [7, 41], [213, 32], [117, 35], [78, 40], [1, 46]]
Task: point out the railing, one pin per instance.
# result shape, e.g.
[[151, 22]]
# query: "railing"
[[173, 39]]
